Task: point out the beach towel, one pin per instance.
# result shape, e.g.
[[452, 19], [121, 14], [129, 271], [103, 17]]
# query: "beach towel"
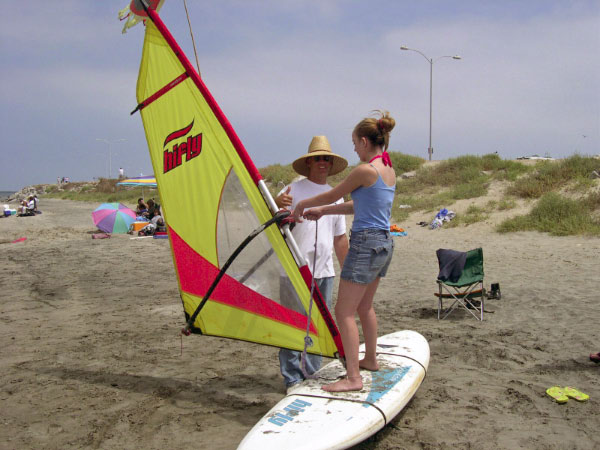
[[451, 263], [444, 215]]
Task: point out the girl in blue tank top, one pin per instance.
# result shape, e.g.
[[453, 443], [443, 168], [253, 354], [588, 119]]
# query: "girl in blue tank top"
[[372, 188]]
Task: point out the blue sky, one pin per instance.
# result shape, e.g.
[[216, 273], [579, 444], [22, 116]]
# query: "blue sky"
[[283, 71]]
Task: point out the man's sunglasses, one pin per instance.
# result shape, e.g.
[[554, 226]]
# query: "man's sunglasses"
[[319, 158]]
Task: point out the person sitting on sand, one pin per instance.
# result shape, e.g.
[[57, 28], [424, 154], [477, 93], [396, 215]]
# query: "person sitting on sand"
[[595, 357], [158, 222], [27, 207], [372, 187], [153, 209], [141, 207]]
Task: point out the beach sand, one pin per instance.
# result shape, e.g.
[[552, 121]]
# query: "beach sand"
[[92, 357]]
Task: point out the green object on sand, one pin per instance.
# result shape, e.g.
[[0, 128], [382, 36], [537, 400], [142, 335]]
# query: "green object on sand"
[[576, 394], [558, 394]]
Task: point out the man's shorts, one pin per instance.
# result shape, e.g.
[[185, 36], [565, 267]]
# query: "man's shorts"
[[369, 256]]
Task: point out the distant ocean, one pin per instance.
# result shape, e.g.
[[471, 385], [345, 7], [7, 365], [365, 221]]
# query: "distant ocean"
[[5, 194]]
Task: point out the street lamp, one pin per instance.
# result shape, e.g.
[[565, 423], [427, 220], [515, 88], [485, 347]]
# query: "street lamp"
[[106, 141], [430, 61]]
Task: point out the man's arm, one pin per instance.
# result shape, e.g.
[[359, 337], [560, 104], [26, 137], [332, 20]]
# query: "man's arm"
[[340, 244]]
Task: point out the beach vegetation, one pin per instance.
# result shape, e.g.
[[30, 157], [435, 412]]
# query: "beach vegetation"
[[405, 163], [278, 175], [506, 203], [550, 176], [104, 190], [472, 215], [503, 169], [435, 186], [558, 215]]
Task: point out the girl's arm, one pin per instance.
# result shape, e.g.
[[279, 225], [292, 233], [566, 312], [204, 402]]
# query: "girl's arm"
[[360, 176], [320, 211]]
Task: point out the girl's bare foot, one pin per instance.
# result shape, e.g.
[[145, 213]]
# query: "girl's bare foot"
[[346, 384], [368, 365]]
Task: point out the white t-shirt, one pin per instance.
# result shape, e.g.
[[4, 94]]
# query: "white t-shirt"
[[304, 232]]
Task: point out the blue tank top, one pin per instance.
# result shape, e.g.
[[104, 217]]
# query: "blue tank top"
[[373, 205]]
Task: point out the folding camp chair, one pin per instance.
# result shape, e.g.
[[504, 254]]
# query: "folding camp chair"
[[464, 290]]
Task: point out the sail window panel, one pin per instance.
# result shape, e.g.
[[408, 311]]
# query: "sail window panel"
[[257, 266]]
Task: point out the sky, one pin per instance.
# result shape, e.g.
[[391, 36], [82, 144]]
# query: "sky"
[[284, 71]]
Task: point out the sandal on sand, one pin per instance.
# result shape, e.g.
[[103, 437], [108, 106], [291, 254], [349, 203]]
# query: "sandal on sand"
[[576, 394], [595, 357], [558, 394]]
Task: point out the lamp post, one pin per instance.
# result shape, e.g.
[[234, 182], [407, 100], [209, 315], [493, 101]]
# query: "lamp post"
[[106, 141], [430, 61]]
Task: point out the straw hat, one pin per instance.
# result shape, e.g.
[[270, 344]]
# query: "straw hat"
[[319, 146]]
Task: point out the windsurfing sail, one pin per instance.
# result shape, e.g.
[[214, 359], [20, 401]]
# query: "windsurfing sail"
[[212, 198]]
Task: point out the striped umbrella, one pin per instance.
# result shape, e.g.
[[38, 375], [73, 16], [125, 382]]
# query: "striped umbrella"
[[149, 181], [139, 181], [113, 217]]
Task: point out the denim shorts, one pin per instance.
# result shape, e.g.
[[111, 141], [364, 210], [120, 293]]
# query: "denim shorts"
[[369, 256]]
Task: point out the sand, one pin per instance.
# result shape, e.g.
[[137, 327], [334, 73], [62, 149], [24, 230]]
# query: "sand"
[[91, 355]]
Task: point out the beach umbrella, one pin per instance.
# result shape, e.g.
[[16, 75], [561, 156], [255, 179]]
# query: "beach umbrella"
[[113, 217], [148, 181], [139, 181]]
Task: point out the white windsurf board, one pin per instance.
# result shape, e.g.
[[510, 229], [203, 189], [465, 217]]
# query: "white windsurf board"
[[310, 418]]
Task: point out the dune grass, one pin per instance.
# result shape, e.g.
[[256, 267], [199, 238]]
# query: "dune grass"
[[550, 176], [559, 216], [103, 191], [556, 213], [466, 177], [472, 215]]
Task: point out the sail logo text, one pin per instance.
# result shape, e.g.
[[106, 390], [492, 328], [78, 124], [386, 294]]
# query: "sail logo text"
[[191, 148], [291, 411]]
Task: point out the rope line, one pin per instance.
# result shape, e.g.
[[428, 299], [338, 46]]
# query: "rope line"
[[191, 34], [307, 338]]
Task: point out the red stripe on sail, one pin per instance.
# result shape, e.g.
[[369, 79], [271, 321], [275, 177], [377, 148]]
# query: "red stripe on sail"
[[196, 274]]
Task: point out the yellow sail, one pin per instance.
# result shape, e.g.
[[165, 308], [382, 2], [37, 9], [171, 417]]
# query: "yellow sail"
[[211, 201]]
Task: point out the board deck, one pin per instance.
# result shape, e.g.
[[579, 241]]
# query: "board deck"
[[310, 418]]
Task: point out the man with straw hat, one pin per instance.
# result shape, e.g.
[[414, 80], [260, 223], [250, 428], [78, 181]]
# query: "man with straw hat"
[[316, 166]]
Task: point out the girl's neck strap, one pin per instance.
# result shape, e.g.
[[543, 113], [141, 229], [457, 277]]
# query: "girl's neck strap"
[[385, 157]]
